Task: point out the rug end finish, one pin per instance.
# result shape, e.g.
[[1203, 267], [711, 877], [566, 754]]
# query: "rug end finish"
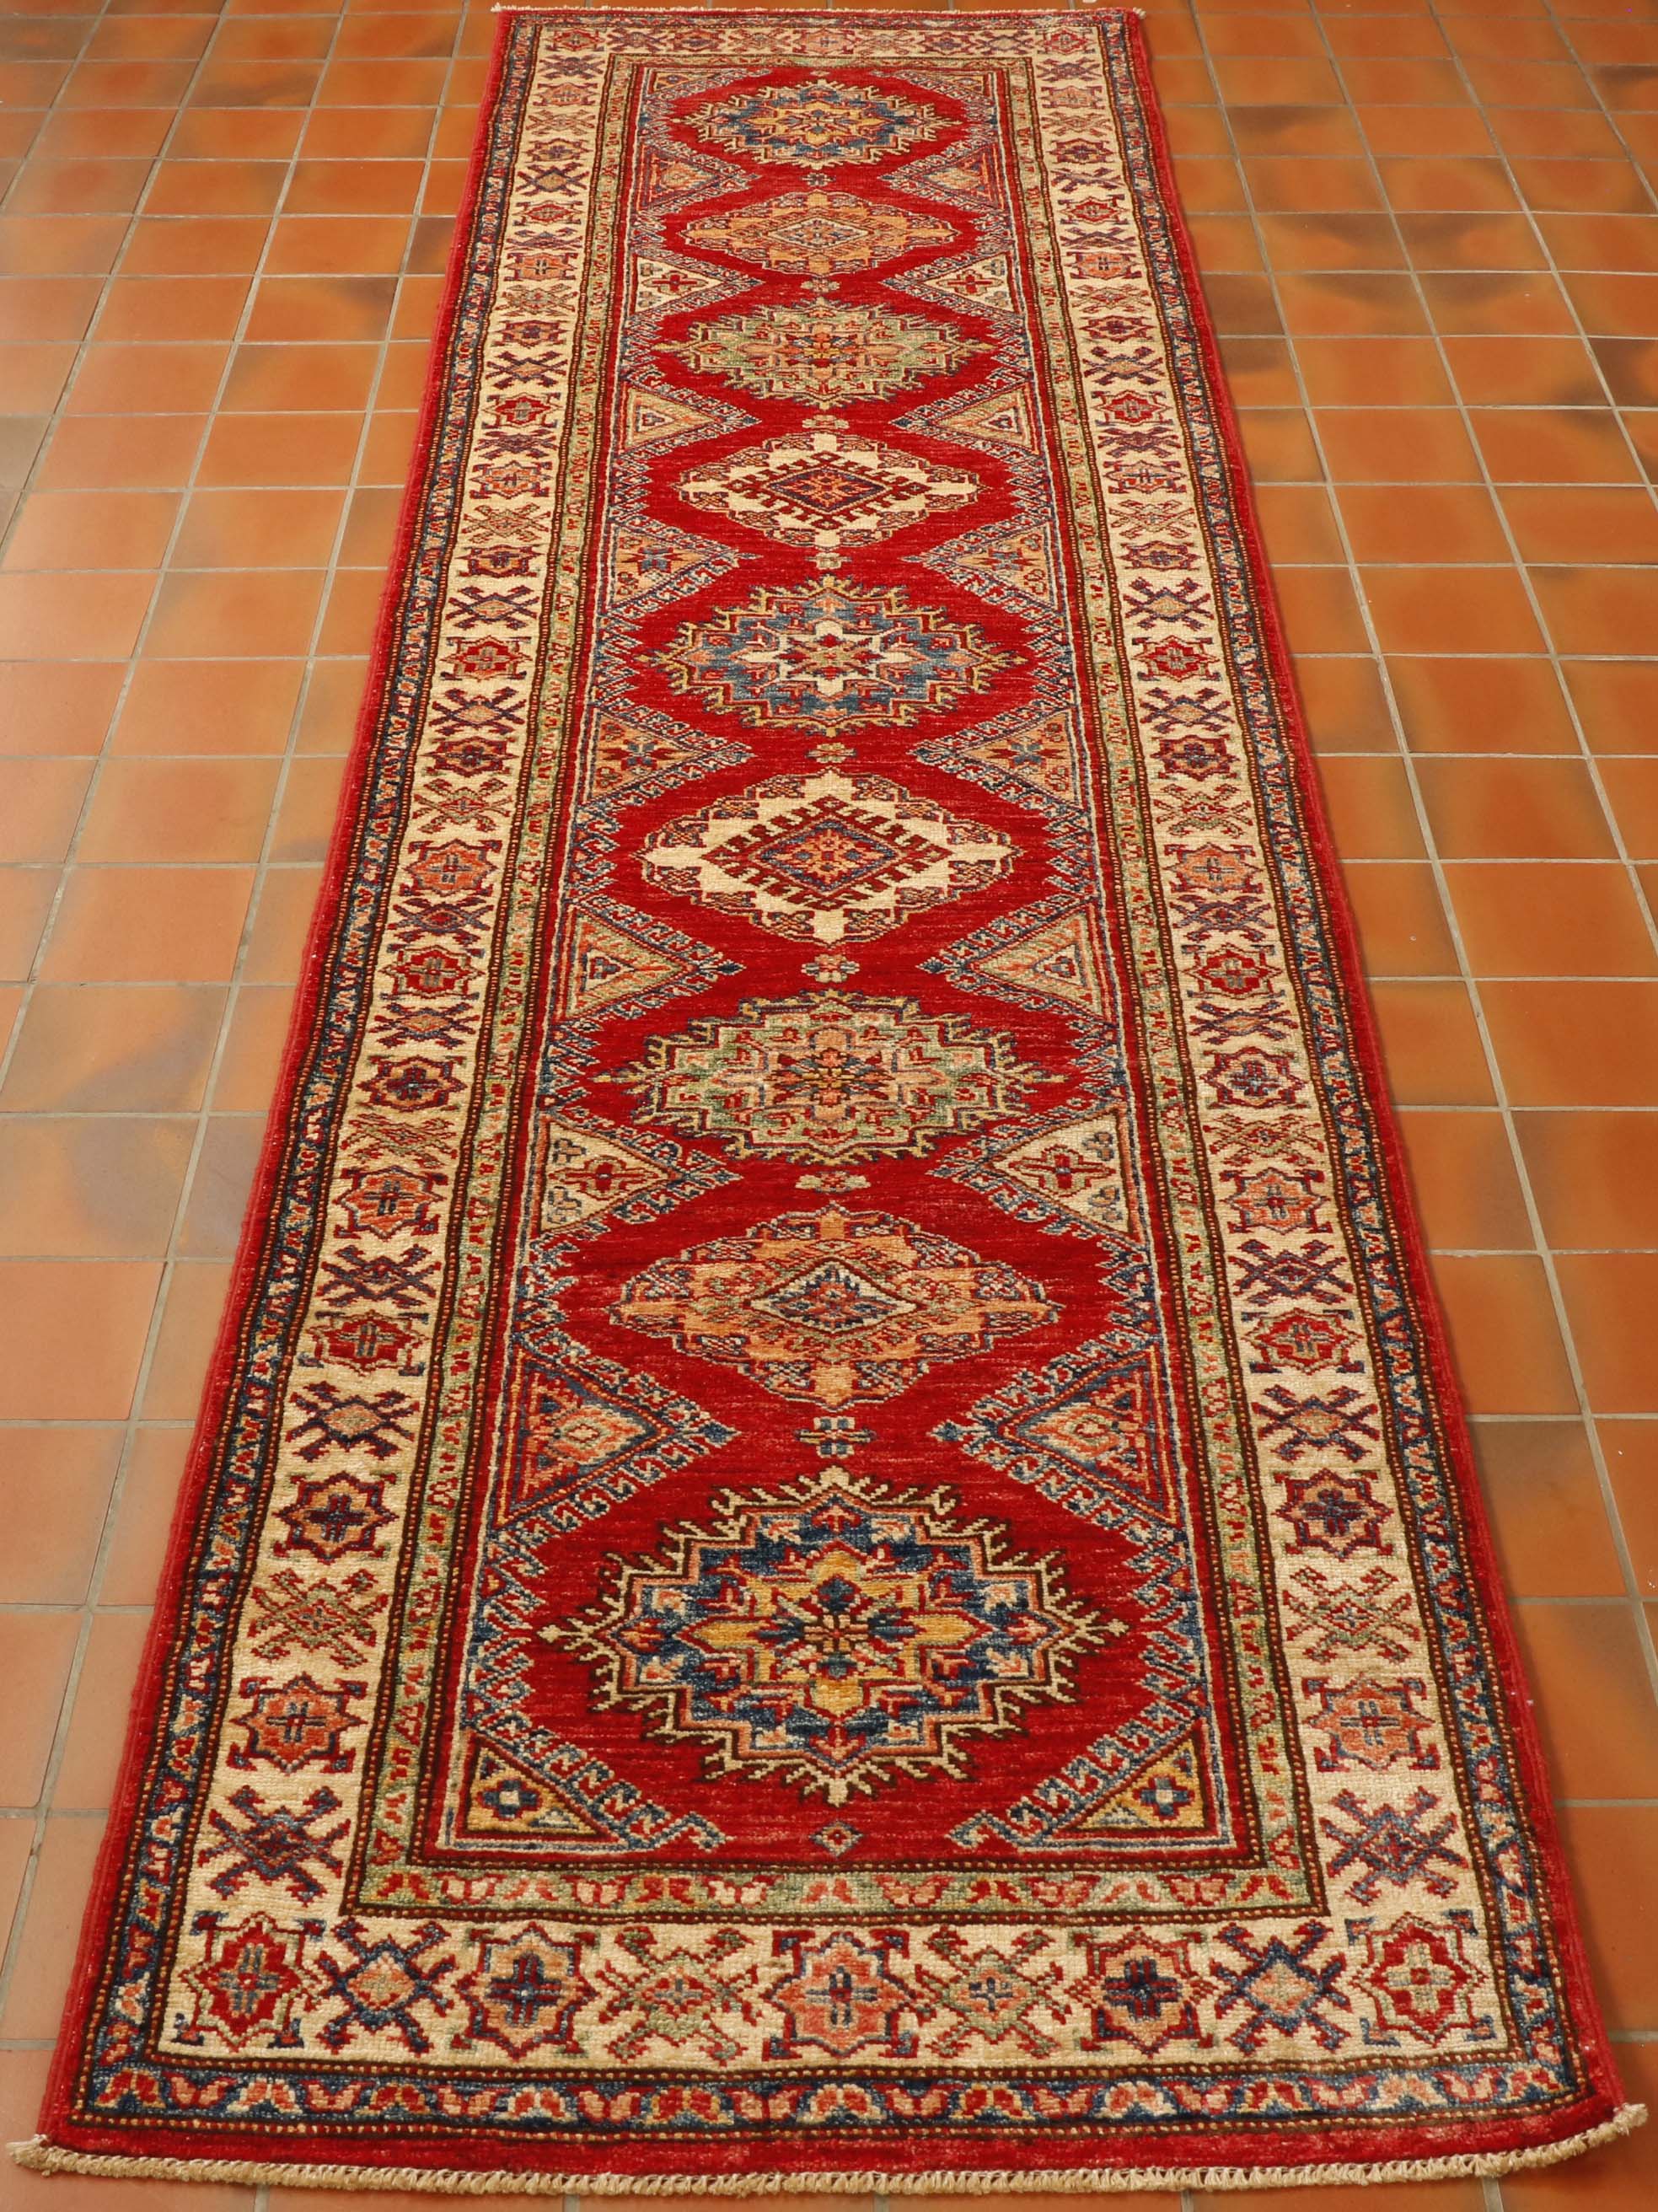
[[39, 2156]]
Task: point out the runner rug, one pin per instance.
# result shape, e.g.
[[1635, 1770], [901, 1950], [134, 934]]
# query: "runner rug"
[[831, 1547]]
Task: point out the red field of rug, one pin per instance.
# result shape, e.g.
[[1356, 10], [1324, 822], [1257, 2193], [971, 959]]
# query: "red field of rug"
[[831, 1546]]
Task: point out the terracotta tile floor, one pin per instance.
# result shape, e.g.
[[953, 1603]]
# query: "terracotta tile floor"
[[1426, 230]]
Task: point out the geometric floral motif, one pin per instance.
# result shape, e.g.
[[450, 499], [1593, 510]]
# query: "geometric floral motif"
[[841, 1995], [831, 657], [825, 857], [1270, 1198], [1341, 1421], [1372, 1722], [294, 1724], [820, 122], [1284, 1989], [363, 1342], [829, 1077], [823, 351], [250, 1978], [1337, 1512], [1421, 1980], [524, 1992], [1142, 1990], [384, 1986], [826, 487], [1301, 1340], [832, 1306], [366, 1425], [680, 1997], [273, 1846], [996, 1998], [818, 233], [335, 1618], [834, 1634], [1370, 1618], [1392, 1843], [1252, 1077], [340, 1513]]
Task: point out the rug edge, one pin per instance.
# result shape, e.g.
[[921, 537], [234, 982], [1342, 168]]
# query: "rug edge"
[[199, 1469], [39, 2156], [1557, 1878]]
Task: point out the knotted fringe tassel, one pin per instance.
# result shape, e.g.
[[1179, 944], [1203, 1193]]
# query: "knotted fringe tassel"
[[787, 7], [42, 2157]]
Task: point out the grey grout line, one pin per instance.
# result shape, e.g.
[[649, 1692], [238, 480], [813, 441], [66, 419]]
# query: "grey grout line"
[[1590, 759], [94, 19], [1633, 1589], [66, 1605], [191, 867], [1608, 1598], [130, 662], [14, 1950], [1642, 1624], [1441, 753], [1493, 2191], [1601, 104], [91, 1608]]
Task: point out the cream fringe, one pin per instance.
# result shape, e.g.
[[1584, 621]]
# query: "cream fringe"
[[785, 8], [42, 2157]]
